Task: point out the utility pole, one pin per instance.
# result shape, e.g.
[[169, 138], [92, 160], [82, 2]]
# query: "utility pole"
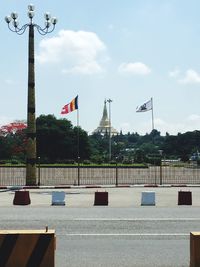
[[110, 152]]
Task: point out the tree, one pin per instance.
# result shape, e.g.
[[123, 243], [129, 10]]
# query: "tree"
[[13, 142], [57, 140], [139, 156], [84, 144]]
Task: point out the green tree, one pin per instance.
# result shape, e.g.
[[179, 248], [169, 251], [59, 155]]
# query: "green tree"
[[57, 140]]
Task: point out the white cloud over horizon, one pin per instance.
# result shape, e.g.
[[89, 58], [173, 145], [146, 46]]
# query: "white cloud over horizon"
[[79, 52], [134, 68]]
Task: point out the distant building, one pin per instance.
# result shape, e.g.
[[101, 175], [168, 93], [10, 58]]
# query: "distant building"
[[195, 156], [104, 125]]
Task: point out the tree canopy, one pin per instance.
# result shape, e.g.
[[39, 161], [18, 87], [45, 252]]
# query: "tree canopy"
[[58, 141]]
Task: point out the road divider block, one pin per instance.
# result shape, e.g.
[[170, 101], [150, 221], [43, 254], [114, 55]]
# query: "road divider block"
[[101, 198], [58, 198], [184, 198], [27, 248], [21, 198], [194, 249], [148, 198]]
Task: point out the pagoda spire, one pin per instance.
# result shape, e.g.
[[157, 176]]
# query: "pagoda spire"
[[104, 120], [104, 124]]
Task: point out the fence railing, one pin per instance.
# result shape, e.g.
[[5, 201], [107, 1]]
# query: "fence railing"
[[103, 175]]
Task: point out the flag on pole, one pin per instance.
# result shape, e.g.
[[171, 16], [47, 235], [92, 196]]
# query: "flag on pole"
[[73, 105], [145, 107]]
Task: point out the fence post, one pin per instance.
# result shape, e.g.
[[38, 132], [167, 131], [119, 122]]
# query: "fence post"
[[38, 171], [161, 171], [116, 174], [78, 170], [161, 153]]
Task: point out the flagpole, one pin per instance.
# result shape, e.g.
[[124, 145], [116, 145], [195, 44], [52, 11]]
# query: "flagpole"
[[78, 156], [152, 114]]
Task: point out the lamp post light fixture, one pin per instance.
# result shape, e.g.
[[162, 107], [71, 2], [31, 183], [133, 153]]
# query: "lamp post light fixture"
[[49, 26], [110, 152]]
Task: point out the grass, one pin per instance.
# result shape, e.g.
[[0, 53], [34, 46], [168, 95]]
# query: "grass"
[[134, 165]]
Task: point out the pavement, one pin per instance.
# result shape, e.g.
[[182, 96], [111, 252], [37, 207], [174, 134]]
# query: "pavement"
[[117, 196], [124, 233], [18, 187]]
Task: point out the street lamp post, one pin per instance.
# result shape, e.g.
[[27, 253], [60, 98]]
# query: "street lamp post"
[[31, 122], [110, 152]]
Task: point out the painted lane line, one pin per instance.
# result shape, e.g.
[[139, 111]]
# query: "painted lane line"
[[134, 219], [126, 234]]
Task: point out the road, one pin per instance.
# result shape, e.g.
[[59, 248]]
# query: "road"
[[112, 236]]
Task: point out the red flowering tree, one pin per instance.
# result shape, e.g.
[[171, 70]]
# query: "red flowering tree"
[[13, 140]]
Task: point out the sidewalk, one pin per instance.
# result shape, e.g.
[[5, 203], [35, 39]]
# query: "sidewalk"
[[83, 196], [19, 187]]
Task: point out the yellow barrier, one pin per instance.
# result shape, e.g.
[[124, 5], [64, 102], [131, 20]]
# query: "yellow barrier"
[[26, 248], [194, 249]]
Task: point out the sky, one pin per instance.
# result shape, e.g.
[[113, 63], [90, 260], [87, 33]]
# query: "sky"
[[128, 51]]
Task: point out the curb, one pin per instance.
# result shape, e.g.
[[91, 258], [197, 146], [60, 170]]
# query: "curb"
[[14, 188]]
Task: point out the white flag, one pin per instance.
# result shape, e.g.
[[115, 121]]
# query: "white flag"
[[145, 107]]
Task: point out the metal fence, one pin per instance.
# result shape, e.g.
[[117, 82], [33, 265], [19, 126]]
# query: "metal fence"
[[105, 175]]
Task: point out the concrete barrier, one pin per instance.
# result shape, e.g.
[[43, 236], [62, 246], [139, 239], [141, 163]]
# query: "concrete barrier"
[[148, 198], [194, 249], [58, 198], [27, 248], [184, 198], [101, 198], [21, 198]]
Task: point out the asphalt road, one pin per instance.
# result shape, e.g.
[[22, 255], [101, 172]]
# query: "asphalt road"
[[112, 236]]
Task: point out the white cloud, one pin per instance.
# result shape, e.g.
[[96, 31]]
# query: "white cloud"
[[174, 73], [77, 51], [86, 68], [191, 77], [136, 68]]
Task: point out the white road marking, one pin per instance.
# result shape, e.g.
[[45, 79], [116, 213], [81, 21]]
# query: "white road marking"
[[127, 234], [134, 219]]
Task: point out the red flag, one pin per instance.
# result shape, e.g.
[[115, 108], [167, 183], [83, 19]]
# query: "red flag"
[[73, 105]]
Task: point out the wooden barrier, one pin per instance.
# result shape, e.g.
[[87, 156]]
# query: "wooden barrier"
[[101, 198], [26, 248], [184, 198], [194, 249], [21, 198]]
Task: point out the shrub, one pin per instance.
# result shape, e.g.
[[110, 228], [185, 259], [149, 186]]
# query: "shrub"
[[127, 161], [113, 162], [14, 161], [86, 162]]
